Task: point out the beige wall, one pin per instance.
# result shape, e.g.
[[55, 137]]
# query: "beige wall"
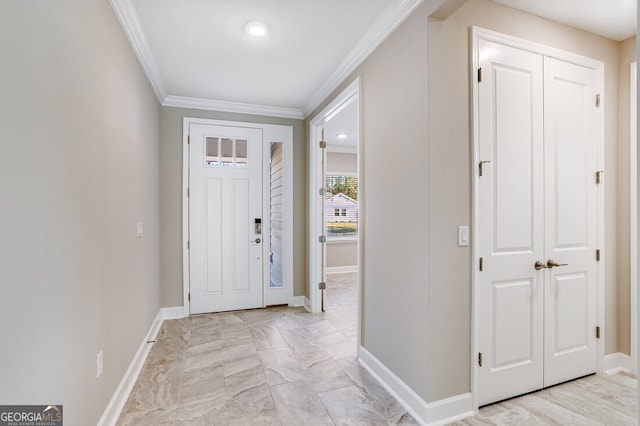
[[627, 55], [342, 162], [171, 196], [78, 168]]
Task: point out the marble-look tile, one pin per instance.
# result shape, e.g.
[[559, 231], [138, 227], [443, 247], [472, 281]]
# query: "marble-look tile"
[[280, 366], [243, 381], [200, 382], [240, 347], [362, 379], [267, 337], [298, 404], [204, 411], [343, 350], [164, 416], [348, 406], [157, 387], [239, 364], [322, 372], [204, 355], [299, 342], [253, 406]]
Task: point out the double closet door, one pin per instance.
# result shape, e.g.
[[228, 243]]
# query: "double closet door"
[[537, 216]]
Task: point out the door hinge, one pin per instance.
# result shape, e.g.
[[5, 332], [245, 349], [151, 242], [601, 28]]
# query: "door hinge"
[[599, 176], [598, 255], [188, 192], [597, 332], [188, 139], [321, 192], [322, 144], [322, 286], [189, 296], [480, 165], [481, 264], [598, 100], [479, 75], [188, 244], [322, 239], [480, 359]]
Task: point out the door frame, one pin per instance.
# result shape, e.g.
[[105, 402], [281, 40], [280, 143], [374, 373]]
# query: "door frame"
[[633, 206], [316, 226], [477, 34], [270, 133]]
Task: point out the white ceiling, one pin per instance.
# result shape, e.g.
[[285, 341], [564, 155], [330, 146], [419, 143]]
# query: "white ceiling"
[[345, 121], [197, 54]]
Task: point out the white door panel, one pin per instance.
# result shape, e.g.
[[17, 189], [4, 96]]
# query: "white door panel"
[[570, 118], [511, 214], [225, 185]]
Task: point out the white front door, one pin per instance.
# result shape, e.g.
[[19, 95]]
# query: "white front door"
[[536, 203], [225, 214]]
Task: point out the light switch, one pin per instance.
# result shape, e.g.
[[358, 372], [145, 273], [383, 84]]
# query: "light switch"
[[139, 230], [463, 236]]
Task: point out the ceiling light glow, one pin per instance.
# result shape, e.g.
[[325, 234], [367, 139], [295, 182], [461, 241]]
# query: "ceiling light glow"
[[256, 29], [341, 135]]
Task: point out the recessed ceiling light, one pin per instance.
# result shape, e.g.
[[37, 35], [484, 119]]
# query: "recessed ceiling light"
[[341, 135], [256, 29]]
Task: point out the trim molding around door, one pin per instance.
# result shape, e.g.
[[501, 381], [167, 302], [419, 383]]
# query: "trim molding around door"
[[270, 133], [633, 193], [316, 226], [476, 34]]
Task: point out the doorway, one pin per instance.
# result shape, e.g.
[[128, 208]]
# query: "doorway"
[[231, 202], [537, 215]]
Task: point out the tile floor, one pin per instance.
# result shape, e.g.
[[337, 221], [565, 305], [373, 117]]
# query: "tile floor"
[[286, 366], [262, 367]]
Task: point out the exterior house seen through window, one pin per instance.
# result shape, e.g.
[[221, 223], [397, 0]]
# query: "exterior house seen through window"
[[341, 206]]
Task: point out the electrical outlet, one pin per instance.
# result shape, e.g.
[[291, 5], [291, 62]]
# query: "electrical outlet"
[[99, 364], [139, 230]]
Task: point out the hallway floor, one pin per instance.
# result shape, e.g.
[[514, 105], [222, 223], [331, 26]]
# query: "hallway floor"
[[267, 366], [285, 366]]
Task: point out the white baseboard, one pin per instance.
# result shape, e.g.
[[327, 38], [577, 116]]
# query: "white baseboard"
[[297, 301], [436, 413], [120, 396], [175, 312], [307, 304], [341, 269], [616, 363]]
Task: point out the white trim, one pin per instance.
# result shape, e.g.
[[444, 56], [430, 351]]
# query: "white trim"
[[297, 301], [382, 27], [130, 23], [174, 312], [122, 392], [270, 133], [307, 304], [633, 204], [440, 412], [342, 149], [478, 33], [213, 105], [341, 269], [616, 363]]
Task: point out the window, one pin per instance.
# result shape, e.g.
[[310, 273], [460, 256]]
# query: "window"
[[225, 152], [341, 206]]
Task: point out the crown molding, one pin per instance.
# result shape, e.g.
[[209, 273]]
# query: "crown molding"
[[387, 22], [213, 105], [130, 23]]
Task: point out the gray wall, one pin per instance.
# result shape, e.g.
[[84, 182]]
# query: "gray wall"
[[79, 132], [171, 197], [427, 310]]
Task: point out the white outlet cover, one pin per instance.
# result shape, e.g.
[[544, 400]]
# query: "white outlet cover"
[[139, 230]]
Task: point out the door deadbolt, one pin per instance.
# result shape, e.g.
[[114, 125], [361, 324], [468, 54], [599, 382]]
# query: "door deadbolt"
[[257, 241], [258, 225]]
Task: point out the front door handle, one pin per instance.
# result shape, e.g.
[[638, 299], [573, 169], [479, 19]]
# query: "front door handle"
[[551, 264], [539, 265], [257, 241]]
